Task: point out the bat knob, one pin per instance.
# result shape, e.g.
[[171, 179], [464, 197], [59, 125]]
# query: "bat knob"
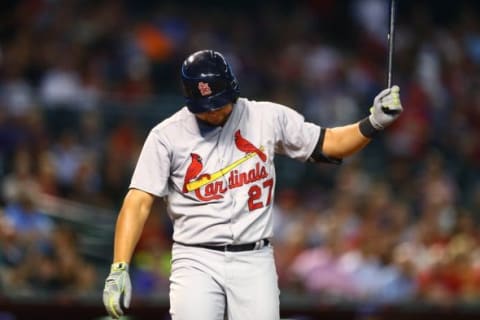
[[390, 112]]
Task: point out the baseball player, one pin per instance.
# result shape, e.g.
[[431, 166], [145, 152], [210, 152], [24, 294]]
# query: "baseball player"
[[212, 162]]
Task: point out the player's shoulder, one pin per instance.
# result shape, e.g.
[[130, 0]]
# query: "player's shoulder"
[[265, 106], [173, 122], [262, 105], [171, 129]]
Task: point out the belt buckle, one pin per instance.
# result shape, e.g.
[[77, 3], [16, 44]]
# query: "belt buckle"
[[259, 244]]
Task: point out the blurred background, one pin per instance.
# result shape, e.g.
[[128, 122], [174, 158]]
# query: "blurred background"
[[392, 233]]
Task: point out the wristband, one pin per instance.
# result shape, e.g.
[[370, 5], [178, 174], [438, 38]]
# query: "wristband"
[[367, 129], [119, 266]]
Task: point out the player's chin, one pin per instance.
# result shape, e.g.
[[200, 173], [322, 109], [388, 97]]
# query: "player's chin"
[[216, 120]]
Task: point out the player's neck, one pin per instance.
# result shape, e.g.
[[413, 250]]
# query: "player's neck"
[[215, 118], [207, 126]]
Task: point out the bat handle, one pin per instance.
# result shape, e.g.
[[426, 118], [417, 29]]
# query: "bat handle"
[[390, 112], [391, 38], [391, 43]]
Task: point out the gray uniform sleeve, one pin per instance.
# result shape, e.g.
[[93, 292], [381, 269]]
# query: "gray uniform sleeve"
[[153, 167], [295, 137]]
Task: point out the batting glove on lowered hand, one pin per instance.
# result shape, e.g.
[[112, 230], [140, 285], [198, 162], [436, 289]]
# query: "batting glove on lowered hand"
[[386, 108], [118, 290]]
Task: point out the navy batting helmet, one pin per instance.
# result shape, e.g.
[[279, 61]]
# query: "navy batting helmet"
[[208, 81]]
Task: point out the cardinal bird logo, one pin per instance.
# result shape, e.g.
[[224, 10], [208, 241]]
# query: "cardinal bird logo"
[[193, 170], [247, 147], [204, 89], [213, 187]]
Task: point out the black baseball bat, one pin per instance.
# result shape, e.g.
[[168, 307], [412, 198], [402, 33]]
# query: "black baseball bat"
[[391, 38]]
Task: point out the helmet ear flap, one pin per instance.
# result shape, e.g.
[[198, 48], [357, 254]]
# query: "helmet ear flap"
[[208, 81]]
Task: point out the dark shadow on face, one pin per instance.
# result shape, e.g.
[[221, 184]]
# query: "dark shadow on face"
[[216, 117]]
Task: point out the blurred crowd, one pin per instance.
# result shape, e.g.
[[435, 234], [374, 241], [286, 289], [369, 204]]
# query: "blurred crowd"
[[396, 223]]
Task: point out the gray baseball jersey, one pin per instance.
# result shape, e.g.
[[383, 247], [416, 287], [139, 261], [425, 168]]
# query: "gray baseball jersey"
[[219, 182]]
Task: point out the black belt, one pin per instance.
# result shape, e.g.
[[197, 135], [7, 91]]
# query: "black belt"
[[233, 247]]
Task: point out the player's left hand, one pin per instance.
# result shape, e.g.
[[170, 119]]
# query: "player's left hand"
[[386, 108], [118, 290]]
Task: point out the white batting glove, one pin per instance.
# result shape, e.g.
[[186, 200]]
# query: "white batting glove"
[[117, 286], [386, 108]]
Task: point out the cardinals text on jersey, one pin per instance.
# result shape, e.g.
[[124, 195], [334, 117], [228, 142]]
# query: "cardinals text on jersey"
[[208, 187]]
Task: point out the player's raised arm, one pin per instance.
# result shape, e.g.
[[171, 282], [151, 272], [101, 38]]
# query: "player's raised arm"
[[340, 142]]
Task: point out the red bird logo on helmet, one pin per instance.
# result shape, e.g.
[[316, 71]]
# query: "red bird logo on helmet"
[[247, 147], [193, 170], [204, 89]]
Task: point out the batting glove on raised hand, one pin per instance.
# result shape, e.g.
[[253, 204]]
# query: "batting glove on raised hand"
[[386, 108], [118, 290]]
